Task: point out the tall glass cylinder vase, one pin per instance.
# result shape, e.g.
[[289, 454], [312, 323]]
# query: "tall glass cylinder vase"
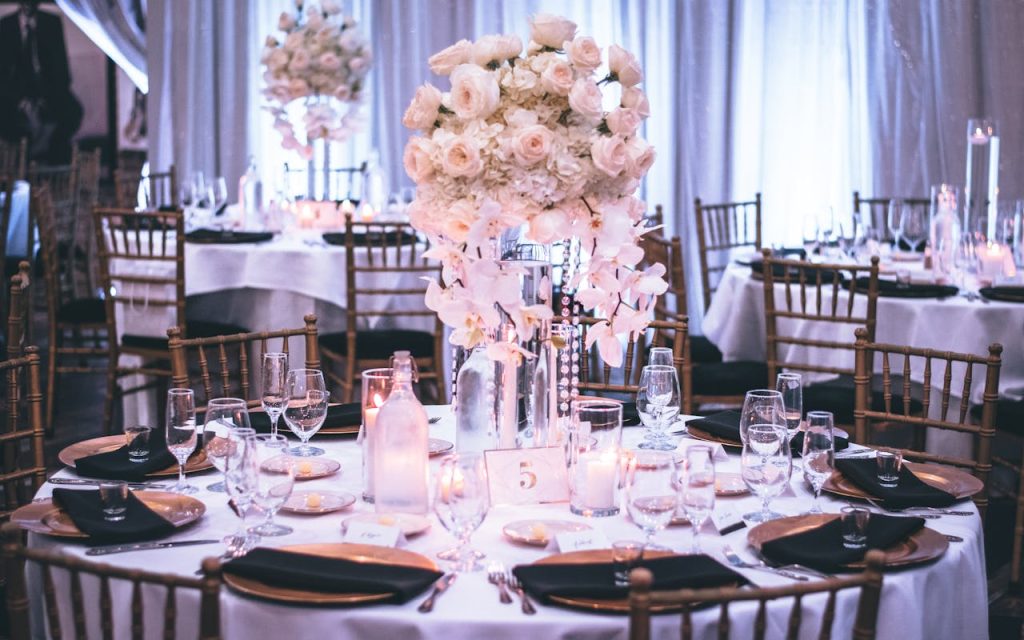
[[476, 403], [982, 183]]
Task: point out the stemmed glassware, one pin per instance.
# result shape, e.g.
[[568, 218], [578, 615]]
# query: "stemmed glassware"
[[697, 489], [766, 464], [241, 480], [181, 432], [226, 425], [217, 191], [893, 219], [818, 456], [650, 495], [790, 385], [761, 406], [657, 402], [273, 376], [307, 399], [275, 479], [461, 502], [913, 226], [810, 234]]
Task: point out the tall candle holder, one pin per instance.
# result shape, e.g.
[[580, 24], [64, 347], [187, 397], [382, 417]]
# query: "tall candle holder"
[[982, 185], [594, 467], [376, 388]]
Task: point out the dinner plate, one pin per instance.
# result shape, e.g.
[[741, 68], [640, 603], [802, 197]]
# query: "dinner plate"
[[921, 546], [953, 481], [367, 553], [49, 519], [410, 524], [317, 502], [437, 446], [305, 468], [539, 533], [69, 454], [699, 434]]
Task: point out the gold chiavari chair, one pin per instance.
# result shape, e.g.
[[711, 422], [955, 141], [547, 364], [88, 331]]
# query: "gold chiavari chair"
[[21, 438], [656, 219], [62, 183], [13, 157], [599, 378], [385, 280], [161, 189], [118, 586], [18, 312], [642, 600], [722, 228], [229, 366], [876, 212], [84, 243], [950, 366]]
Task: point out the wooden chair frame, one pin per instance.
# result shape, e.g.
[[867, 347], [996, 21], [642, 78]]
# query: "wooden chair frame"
[[126, 188], [634, 358], [869, 582], [719, 231], [878, 211], [21, 380], [17, 556], [13, 158], [18, 313], [84, 242], [865, 416]]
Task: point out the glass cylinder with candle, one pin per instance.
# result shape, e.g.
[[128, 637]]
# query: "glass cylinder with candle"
[[981, 187], [594, 469], [376, 388]]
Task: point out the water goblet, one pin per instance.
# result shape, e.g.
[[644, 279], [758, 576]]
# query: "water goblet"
[[650, 495], [226, 421], [181, 432], [275, 479], [241, 481], [761, 406], [306, 410], [461, 502], [697, 489], [657, 402], [818, 455], [273, 376], [790, 385], [765, 464]]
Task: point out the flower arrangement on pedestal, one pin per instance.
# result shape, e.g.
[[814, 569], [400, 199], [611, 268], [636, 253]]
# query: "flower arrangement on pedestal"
[[322, 59], [522, 140]]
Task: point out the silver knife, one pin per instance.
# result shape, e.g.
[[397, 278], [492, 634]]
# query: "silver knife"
[[96, 483], [144, 546], [439, 587]]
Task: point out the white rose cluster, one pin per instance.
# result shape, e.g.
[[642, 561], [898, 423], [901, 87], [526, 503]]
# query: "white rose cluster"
[[321, 59], [522, 140]]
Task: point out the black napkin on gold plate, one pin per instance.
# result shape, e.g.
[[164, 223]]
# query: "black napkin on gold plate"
[[115, 465], [1005, 293], [372, 238], [227, 236], [891, 289], [338, 416], [910, 491], [86, 510], [822, 547]]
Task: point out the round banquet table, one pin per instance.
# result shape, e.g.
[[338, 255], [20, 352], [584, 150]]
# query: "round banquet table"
[[915, 601]]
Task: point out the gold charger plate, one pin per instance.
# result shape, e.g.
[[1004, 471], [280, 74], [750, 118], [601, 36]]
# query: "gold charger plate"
[[47, 518], [305, 468], [69, 454], [953, 481], [539, 533], [341, 550], [699, 434], [410, 524], [924, 545]]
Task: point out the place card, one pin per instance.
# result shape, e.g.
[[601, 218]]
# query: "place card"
[[372, 533], [581, 540], [727, 520], [527, 476]]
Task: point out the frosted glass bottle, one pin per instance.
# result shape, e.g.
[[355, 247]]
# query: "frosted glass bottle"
[[401, 449], [375, 184], [250, 196], [944, 236], [476, 404]]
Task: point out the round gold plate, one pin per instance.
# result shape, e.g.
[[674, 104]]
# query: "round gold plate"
[[699, 434], [342, 550], [48, 519], [69, 454], [923, 545], [953, 481], [538, 533]]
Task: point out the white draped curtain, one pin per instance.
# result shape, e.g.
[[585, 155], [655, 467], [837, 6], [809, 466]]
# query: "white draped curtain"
[[113, 25]]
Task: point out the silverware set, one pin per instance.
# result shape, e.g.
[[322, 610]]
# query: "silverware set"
[[144, 546], [788, 571], [930, 513], [496, 576]]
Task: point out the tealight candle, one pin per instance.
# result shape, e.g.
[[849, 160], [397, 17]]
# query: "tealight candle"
[[599, 471]]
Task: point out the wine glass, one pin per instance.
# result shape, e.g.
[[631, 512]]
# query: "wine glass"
[[650, 496], [273, 376], [306, 409], [275, 478], [790, 385], [766, 464], [181, 432], [241, 480], [226, 423], [217, 193], [818, 454], [895, 215], [810, 232], [697, 489], [657, 402], [913, 226], [461, 502], [761, 406]]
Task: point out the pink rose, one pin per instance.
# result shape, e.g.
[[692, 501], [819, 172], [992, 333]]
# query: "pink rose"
[[551, 31], [623, 122], [585, 99], [584, 53], [550, 225], [298, 88], [416, 159], [625, 66], [329, 62], [461, 158], [458, 220], [635, 99], [475, 92], [640, 156], [358, 65], [286, 22], [299, 62], [422, 111], [444, 62], [609, 155], [557, 78], [531, 145]]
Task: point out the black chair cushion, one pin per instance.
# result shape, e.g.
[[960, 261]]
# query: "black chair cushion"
[[382, 344], [703, 350], [83, 311], [1009, 415], [839, 396], [194, 329], [728, 378]]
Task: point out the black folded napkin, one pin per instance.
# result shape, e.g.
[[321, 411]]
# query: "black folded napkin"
[[597, 580], [338, 415], [786, 253], [796, 443], [822, 547], [331, 575], [227, 236], [909, 492], [86, 510], [1004, 293], [115, 465], [890, 289], [373, 238], [630, 416], [779, 272], [726, 424]]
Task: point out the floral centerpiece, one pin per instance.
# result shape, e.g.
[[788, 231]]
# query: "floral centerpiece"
[[322, 58], [522, 140]]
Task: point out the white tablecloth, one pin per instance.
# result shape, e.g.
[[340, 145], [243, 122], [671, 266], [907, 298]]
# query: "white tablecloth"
[[946, 599]]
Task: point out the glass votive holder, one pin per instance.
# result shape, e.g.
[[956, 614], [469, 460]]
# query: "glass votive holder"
[[114, 498], [137, 440], [594, 474], [625, 556], [855, 526], [888, 464], [376, 388]]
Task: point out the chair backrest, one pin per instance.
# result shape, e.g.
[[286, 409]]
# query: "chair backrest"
[[18, 310], [596, 376], [229, 366], [13, 156], [656, 219], [722, 228], [814, 294], [161, 189], [957, 371], [876, 212], [21, 432], [89, 169], [123, 594], [142, 260], [57, 271], [642, 600], [660, 250]]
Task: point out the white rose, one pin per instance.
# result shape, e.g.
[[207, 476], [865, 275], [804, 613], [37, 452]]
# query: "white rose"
[[358, 64], [639, 157], [584, 53], [350, 41], [585, 99], [557, 78], [329, 62], [509, 46], [422, 111], [551, 31], [416, 159], [475, 92], [286, 22], [609, 154], [444, 62], [623, 122], [550, 225], [293, 41], [635, 99], [461, 158], [331, 7], [488, 49], [531, 145], [298, 88], [625, 66]]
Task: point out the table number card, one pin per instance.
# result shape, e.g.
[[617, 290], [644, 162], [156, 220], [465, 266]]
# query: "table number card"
[[527, 476], [373, 533]]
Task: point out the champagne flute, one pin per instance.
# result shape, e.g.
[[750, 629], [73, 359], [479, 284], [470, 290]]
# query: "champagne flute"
[[275, 479], [697, 489], [766, 464], [274, 376], [240, 479], [181, 433], [790, 385], [818, 454], [306, 410], [650, 496], [761, 406], [226, 422], [461, 502], [657, 402]]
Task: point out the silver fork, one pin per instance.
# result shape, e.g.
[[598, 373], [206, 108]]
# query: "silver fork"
[[496, 576], [513, 583], [933, 512], [794, 567], [738, 562]]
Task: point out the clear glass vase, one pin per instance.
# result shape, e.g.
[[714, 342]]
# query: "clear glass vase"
[[476, 403]]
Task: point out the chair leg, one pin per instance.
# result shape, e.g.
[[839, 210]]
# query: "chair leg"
[[51, 381]]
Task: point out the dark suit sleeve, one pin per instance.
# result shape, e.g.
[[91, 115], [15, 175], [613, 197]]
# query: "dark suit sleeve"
[[52, 49]]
